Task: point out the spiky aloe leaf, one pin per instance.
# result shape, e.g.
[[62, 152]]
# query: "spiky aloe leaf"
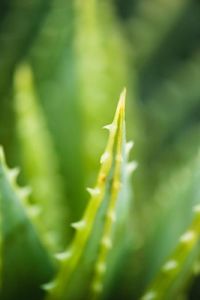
[[84, 264], [167, 278], [38, 158], [177, 211], [171, 210], [25, 262]]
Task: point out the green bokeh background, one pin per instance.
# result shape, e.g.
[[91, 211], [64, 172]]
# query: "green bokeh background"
[[82, 53]]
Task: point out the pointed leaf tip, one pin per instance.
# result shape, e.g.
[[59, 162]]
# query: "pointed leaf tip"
[[2, 155], [122, 99]]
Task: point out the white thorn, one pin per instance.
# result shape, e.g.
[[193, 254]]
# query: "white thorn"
[[170, 265], [151, 295], [79, 225], [106, 241], [97, 287], [196, 208], [111, 127], [63, 256], [131, 167], [187, 237], [13, 173], [49, 286], [104, 157], [129, 146], [94, 192], [24, 192]]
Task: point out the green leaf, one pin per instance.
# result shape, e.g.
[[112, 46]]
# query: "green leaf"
[[179, 214], [174, 267], [39, 160], [25, 262], [85, 262]]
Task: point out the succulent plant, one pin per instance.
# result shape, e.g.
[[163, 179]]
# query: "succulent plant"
[[62, 66]]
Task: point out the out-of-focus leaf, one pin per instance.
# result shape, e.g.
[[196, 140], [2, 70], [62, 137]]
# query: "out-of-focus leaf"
[[167, 283], [39, 160], [18, 25], [25, 262], [172, 213]]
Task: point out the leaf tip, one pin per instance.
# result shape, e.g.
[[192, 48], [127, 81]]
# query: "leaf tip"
[[2, 155], [122, 100]]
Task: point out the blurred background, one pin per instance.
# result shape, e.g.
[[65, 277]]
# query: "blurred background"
[[82, 54]]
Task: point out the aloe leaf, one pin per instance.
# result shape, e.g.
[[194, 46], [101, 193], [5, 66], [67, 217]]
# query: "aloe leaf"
[[39, 159], [174, 266], [20, 242], [95, 233], [172, 213]]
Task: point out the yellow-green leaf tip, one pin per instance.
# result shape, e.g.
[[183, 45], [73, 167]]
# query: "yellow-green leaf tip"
[[122, 100], [2, 155]]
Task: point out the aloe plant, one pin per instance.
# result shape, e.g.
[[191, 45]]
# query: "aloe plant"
[[62, 66]]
